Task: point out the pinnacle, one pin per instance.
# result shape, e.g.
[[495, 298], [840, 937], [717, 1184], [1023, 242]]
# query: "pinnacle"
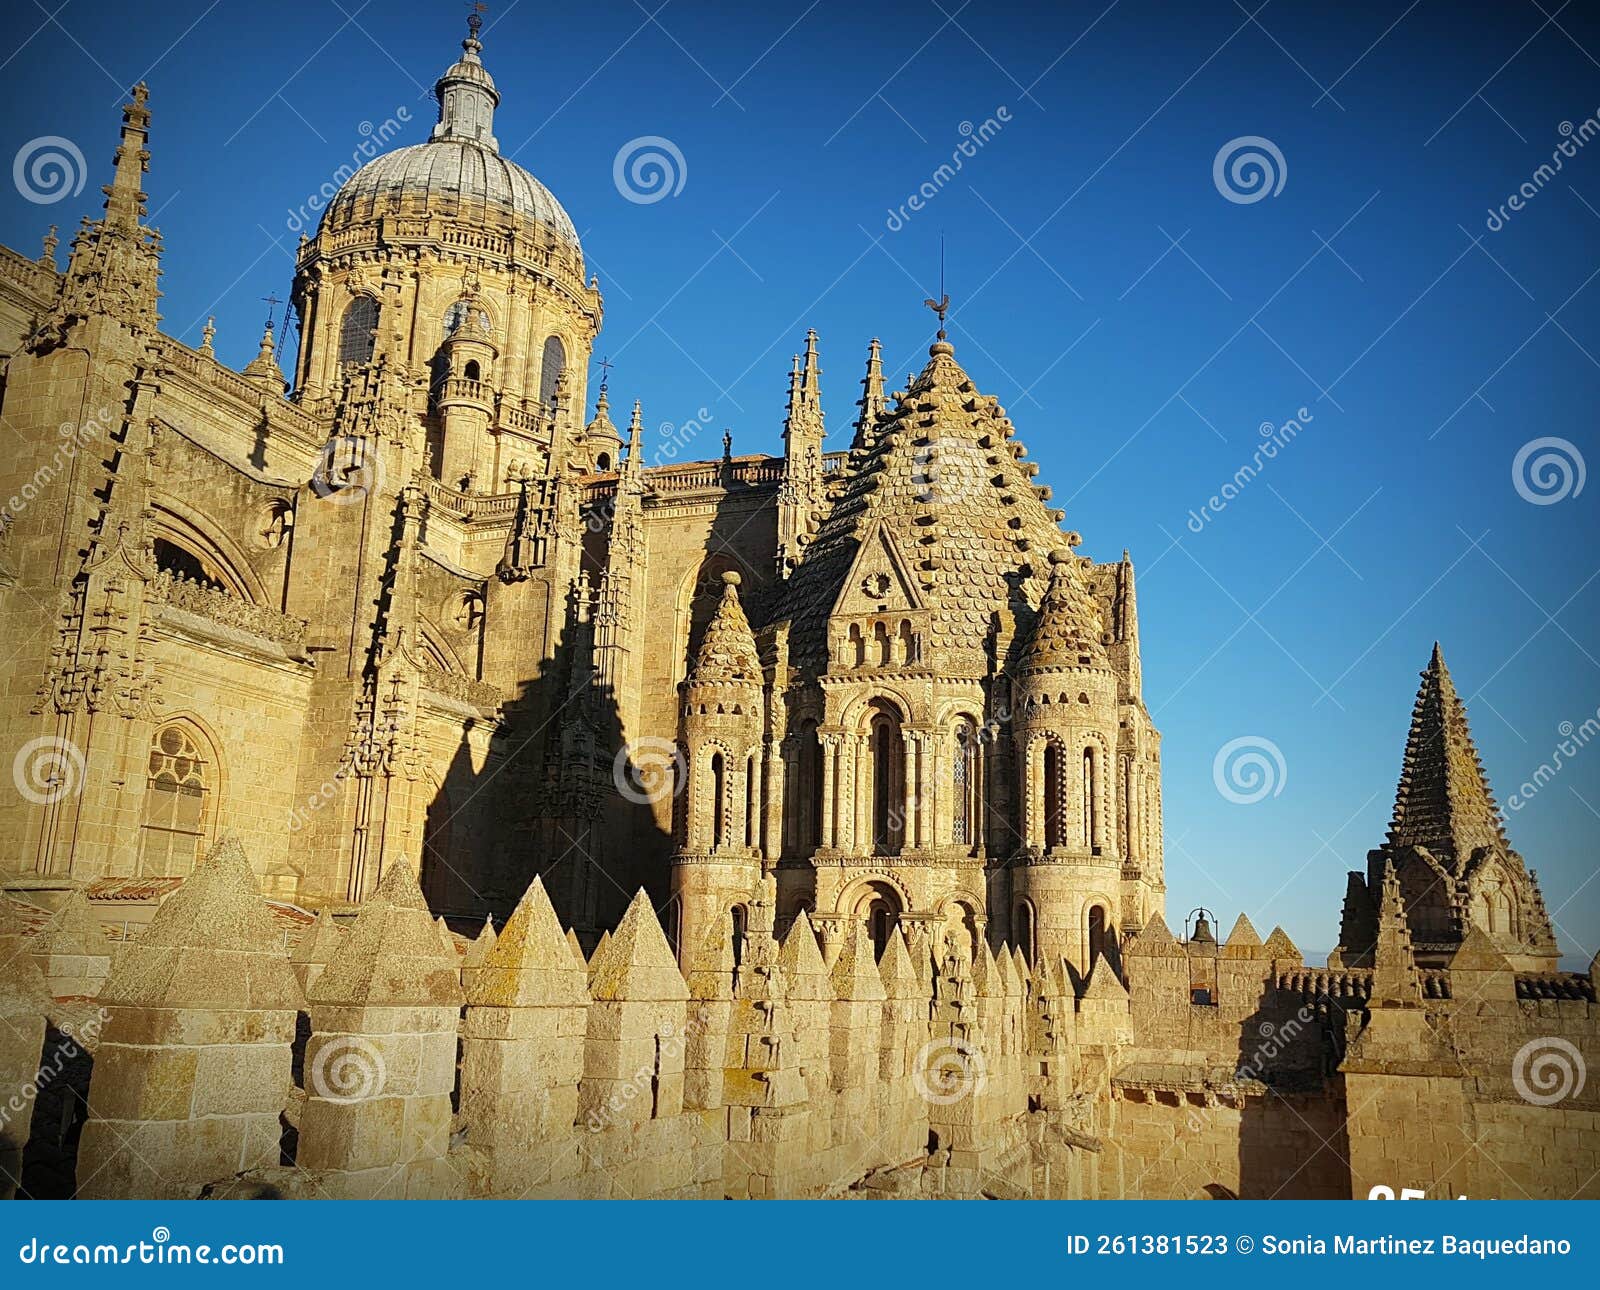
[[636, 963], [1243, 941], [1155, 941], [799, 954], [855, 974], [1443, 802], [529, 962], [900, 978]]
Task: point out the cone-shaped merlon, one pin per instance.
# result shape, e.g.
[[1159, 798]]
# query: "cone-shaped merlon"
[[1104, 983], [400, 887], [576, 947], [637, 962], [800, 956], [1243, 941], [393, 955], [1011, 974], [855, 974], [76, 929], [900, 977], [1279, 946], [321, 943], [480, 949], [1156, 941], [986, 972], [1477, 953], [211, 944], [531, 963]]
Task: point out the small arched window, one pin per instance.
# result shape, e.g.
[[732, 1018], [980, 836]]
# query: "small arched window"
[[1054, 807], [1099, 942], [967, 791], [603, 461], [551, 364], [719, 805], [358, 331], [176, 804], [472, 371], [1091, 801], [1024, 930]]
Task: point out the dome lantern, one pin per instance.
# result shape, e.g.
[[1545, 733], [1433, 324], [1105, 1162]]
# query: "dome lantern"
[[467, 96]]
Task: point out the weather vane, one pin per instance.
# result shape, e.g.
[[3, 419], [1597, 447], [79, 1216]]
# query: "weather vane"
[[605, 371], [272, 302], [941, 306]]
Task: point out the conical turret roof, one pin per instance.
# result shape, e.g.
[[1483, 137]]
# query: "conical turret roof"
[[1443, 802], [728, 648], [1068, 630]]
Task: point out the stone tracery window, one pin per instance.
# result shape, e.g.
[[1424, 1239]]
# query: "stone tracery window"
[[358, 331], [176, 801], [967, 785]]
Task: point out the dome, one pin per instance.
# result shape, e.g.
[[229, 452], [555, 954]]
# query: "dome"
[[454, 176], [459, 172]]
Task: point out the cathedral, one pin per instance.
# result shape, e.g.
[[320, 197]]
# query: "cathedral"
[[413, 596], [808, 804]]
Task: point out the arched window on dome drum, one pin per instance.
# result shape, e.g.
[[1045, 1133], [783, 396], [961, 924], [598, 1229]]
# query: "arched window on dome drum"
[[1024, 930], [807, 796], [1054, 806], [967, 785], [176, 804], [358, 331], [752, 801], [1091, 801], [551, 364], [1099, 936], [888, 784], [719, 807]]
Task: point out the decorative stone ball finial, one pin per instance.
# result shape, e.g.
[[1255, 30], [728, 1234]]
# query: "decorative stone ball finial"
[[731, 578]]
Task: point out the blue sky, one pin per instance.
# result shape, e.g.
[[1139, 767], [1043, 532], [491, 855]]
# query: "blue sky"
[[1139, 326]]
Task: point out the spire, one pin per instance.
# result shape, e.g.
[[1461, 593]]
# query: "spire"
[[263, 369], [47, 255], [601, 438], [1067, 630], [208, 334], [728, 649], [125, 200], [872, 401], [635, 463], [805, 418], [467, 95], [1443, 802]]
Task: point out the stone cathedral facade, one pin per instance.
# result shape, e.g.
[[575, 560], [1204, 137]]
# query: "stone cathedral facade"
[[811, 799], [406, 598]]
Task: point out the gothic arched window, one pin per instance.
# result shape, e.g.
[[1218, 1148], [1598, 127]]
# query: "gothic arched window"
[[968, 794], [885, 747], [358, 331], [1091, 801], [1054, 792], [551, 364], [176, 803]]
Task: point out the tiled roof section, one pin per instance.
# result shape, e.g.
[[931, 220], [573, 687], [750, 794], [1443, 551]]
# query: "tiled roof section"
[[945, 477], [1443, 802], [132, 888], [728, 648], [1068, 630]]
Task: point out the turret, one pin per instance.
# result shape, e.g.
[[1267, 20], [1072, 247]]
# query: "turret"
[[601, 445], [1065, 721], [466, 397], [718, 859]]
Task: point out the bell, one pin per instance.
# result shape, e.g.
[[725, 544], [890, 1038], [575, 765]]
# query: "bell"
[[1202, 931]]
